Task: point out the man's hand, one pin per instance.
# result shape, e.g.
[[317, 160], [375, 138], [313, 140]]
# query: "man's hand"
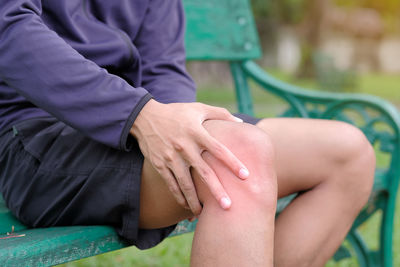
[[173, 138]]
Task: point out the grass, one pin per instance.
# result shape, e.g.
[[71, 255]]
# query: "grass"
[[175, 251]]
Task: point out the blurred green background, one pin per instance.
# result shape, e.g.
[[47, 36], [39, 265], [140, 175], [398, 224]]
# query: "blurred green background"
[[304, 42]]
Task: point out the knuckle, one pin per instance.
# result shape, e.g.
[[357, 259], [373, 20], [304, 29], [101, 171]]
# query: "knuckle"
[[204, 173], [191, 131], [158, 165], [187, 187], [225, 111], [181, 201], [169, 156], [173, 189], [196, 210], [222, 111], [178, 146]]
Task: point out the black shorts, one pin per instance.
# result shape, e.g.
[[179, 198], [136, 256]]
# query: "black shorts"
[[51, 175]]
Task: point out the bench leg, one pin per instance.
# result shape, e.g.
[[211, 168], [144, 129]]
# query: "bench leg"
[[386, 242]]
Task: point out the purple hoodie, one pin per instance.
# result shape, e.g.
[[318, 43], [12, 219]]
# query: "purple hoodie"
[[92, 64]]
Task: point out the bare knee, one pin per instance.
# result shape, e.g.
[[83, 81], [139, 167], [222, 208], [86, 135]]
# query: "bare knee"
[[356, 157], [253, 147]]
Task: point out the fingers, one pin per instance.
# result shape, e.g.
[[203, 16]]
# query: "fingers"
[[217, 113], [208, 177], [211, 180], [174, 187], [186, 185], [221, 152]]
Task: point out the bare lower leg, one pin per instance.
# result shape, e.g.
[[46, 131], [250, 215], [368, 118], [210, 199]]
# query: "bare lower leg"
[[243, 235], [323, 217], [312, 227]]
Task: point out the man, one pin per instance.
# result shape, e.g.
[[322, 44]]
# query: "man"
[[99, 126]]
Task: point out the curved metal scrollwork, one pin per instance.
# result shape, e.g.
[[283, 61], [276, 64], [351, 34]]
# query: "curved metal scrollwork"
[[375, 123]]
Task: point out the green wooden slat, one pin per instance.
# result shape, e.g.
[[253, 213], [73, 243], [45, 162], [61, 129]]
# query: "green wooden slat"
[[7, 220], [51, 246], [220, 30]]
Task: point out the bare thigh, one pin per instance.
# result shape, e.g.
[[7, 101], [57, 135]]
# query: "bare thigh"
[[158, 207], [307, 151]]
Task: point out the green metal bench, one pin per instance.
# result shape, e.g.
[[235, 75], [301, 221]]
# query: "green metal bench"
[[224, 30]]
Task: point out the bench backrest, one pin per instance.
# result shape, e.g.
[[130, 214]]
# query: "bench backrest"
[[220, 30]]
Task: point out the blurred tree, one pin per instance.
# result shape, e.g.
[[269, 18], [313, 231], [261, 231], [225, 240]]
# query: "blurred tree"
[[295, 11], [283, 11], [388, 9], [366, 20], [311, 29], [305, 15]]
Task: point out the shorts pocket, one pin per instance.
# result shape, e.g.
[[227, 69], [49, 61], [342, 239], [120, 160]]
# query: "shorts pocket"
[[37, 135]]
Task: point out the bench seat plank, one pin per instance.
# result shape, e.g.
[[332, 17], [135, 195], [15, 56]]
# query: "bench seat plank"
[[51, 246]]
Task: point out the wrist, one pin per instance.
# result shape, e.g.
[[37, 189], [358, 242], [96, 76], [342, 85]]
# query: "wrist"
[[143, 117]]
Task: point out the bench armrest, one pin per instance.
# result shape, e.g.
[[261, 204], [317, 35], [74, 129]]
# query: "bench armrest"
[[377, 118]]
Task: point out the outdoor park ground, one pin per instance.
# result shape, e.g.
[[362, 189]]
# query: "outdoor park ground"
[[175, 251]]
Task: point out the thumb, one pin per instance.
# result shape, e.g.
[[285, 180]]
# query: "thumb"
[[217, 113]]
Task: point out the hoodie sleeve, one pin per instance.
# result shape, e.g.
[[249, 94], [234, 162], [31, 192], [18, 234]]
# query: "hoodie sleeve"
[[161, 46], [43, 68]]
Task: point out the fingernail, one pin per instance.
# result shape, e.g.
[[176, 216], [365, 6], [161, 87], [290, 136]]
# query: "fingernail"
[[225, 203], [238, 119], [244, 173]]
